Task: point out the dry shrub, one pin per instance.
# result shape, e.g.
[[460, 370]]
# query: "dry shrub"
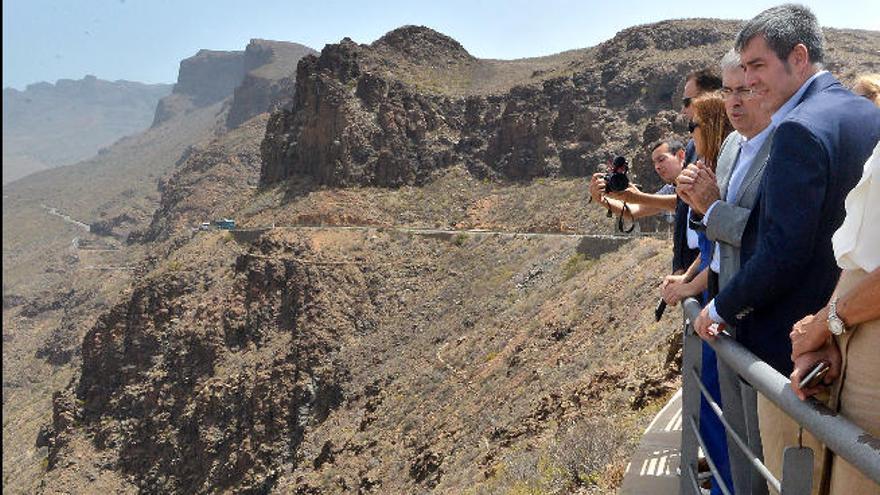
[[579, 458]]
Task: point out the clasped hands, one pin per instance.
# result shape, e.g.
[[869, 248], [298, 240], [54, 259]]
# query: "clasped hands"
[[698, 187]]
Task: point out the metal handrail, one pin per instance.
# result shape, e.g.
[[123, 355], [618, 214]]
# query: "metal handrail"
[[743, 447], [846, 439]]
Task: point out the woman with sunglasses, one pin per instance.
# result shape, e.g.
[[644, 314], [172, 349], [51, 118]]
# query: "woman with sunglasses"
[[709, 127]]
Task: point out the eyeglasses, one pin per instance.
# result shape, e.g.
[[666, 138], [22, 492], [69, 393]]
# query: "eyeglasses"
[[742, 93], [692, 126], [686, 101]]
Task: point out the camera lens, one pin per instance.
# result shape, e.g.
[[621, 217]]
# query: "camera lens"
[[617, 182]]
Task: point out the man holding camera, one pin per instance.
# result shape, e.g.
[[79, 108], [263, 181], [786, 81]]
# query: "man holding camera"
[[630, 202]]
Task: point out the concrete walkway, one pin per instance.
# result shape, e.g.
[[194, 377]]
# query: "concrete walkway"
[[652, 469]]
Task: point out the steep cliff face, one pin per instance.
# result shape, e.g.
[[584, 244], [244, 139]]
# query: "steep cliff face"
[[351, 126], [203, 380], [206, 78], [384, 114], [270, 67]]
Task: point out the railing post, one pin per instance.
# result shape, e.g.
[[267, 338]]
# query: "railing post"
[[797, 471], [750, 404], [739, 402], [691, 359]]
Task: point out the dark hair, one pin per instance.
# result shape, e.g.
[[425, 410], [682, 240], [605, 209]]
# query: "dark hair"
[[784, 27], [706, 79], [674, 145]]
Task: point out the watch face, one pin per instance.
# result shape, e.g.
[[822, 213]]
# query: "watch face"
[[836, 326]]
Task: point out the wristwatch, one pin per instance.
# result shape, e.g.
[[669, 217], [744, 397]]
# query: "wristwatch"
[[835, 324]]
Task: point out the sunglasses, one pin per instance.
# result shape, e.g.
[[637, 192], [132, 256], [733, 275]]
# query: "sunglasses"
[[686, 101], [692, 126]]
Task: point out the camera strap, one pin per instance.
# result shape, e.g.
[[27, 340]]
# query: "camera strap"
[[620, 219]]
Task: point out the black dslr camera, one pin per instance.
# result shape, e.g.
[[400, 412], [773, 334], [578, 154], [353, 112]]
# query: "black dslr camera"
[[616, 179]]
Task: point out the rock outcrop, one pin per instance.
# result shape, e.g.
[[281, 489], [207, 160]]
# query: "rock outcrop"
[[196, 390], [367, 114], [270, 68], [205, 78]]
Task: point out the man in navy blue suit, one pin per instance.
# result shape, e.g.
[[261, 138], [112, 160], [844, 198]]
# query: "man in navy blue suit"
[[823, 136]]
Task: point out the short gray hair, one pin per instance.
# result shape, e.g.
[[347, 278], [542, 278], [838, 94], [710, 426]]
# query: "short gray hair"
[[784, 27], [729, 61]]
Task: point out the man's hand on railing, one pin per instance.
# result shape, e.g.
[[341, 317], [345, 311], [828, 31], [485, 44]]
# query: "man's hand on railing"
[[809, 334], [804, 363], [706, 328]]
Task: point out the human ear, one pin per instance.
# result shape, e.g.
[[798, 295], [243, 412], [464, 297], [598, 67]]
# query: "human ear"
[[800, 55]]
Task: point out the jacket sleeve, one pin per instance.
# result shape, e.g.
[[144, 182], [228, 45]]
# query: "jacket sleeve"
[[794, 187], [727, 222]]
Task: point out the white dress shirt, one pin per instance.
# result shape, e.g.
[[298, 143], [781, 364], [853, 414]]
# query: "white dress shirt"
[[748, 151], [857, 241]]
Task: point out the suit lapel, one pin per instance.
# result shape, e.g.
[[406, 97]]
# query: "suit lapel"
[[726, 162], [756, 167]]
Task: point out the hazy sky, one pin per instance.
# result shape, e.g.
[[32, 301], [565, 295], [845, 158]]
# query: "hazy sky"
[[144, 40]]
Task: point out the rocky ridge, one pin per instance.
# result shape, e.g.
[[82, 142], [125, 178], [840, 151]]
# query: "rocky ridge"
[[268, 80], [399, 110], [206, 78], [256, 78]]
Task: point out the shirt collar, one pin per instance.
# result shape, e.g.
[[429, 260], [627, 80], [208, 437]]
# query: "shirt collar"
[[758, 139], [792, 102]]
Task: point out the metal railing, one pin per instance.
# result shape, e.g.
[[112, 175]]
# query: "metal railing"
[[750, 476]]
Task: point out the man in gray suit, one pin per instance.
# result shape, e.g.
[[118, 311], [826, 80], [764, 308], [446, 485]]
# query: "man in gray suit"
[[728, 201], [728, 195]]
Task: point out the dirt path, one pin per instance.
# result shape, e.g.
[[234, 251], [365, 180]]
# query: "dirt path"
[[66, 218]]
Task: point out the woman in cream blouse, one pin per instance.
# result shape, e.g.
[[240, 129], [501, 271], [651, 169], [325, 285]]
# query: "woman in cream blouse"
[[847, 331]]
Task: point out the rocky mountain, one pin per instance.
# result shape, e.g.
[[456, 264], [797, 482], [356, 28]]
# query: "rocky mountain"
[[49, 125], [206, 78], [415, 102], [347, 338], [58, 276]]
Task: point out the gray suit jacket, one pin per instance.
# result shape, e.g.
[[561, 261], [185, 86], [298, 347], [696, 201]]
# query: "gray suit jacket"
[[727, 221]]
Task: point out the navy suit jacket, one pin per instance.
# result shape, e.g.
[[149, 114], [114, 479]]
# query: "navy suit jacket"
[[788, 267]]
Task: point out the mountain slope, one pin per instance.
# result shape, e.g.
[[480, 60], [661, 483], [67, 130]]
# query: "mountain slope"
[[59, 277]]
